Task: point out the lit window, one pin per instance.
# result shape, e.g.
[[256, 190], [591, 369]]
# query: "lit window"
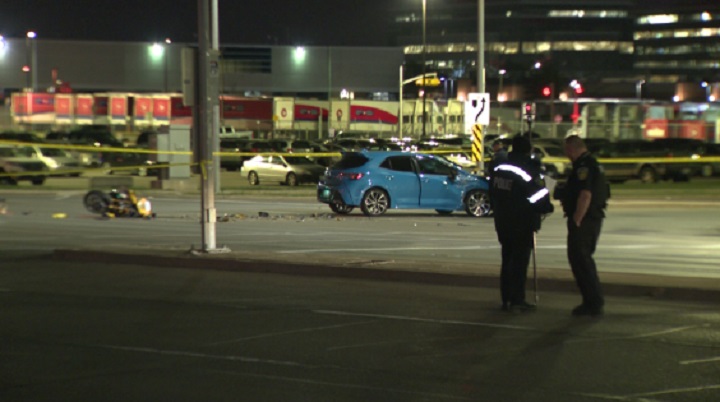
[[658, 19]]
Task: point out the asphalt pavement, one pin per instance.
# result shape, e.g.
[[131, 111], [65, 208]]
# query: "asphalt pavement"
[[403, 270]]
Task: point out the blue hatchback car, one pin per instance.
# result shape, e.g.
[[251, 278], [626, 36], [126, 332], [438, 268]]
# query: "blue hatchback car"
[[377, 181]]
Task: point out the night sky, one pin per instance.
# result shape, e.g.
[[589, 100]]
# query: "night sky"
[[249, 22]]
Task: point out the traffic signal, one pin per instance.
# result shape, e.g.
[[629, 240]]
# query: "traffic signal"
[[547, 91], [577, 86], [528, 110]]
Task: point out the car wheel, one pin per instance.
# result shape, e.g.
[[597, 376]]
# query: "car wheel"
[[253, 179], [38, 181], [375, 202], [340, 208], [96, 201], [706, 171], [648, 175], [443, 212], [291, 179], [9, 181], [477, 203]]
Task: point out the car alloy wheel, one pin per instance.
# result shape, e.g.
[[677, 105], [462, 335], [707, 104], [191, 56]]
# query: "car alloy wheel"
[[375, 202], [477, 203], [253, 179], [291, 179], [706, 171], [648, 175], [340, 208]]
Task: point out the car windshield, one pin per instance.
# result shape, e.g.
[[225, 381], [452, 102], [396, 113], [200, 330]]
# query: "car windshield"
[[16, 152], [53, 152], [554, 151], [298, 160]]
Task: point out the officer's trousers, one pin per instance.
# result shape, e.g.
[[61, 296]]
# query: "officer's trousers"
[[516, 249], [581, 244]]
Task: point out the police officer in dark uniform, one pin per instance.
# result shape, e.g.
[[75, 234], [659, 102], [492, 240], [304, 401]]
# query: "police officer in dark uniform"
[[584, 200], [519, 198]]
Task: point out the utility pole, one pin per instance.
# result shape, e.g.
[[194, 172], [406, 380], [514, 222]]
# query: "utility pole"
[[424, 87], [208, 121]]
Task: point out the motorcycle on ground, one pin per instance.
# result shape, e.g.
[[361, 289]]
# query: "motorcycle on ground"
[[118, 203]]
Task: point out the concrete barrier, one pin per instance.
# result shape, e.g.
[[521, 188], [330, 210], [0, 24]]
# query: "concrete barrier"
[[109, 182]]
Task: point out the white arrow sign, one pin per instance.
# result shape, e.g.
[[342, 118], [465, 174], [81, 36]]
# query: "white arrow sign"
[[477, 110]]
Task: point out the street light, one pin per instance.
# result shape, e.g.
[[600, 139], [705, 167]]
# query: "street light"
[[428, 79], [708, 89], [32, 60], [638, 89], [501, 97]]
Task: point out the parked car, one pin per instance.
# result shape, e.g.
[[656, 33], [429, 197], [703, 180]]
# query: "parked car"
[[96, 137], [19, 163], [228, 147], [326, 155], [288, 146], [354, 144], [127, 162], [630, 159], [711, 168], [20, 137], [143, 139], [376, 181], [681, 148], [59, 161], [290, 170], [552, 158]]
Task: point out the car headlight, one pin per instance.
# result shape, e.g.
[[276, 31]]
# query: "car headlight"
[[52, 164]]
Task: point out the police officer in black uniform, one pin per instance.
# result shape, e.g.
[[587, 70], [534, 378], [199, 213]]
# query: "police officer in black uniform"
[[519, 199], [584, 200]]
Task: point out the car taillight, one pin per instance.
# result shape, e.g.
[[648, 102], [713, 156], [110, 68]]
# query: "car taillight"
[[351, 176]]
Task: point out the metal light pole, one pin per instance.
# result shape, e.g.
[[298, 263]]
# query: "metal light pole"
[[481, 74], [424, 53], [32, 60], [638, 89], [166, 54], [400, 106], [481, 47], [209, 120]]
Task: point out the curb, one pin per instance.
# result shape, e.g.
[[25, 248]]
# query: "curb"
[[644, 286]]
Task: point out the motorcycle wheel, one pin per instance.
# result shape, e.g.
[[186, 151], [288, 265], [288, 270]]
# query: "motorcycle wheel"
[[96, 201]]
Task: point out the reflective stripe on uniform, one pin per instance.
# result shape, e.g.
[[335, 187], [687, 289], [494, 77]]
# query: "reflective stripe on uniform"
[[538, 196], [514, 169]]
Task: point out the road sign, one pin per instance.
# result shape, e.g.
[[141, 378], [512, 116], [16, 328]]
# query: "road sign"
[[477, 110], [428, 82]]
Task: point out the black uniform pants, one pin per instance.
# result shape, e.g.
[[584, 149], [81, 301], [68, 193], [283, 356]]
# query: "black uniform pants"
[[581, 243], [516, 248]]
